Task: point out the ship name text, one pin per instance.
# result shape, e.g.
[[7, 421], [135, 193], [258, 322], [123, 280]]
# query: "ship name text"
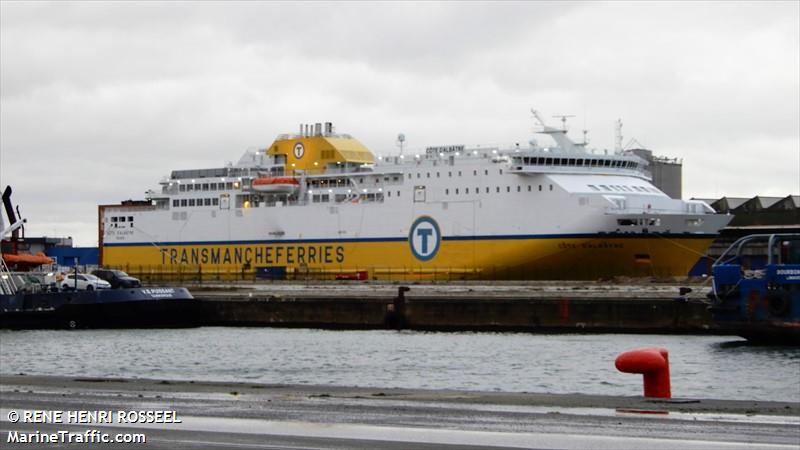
[[267, 254], [444, 149]]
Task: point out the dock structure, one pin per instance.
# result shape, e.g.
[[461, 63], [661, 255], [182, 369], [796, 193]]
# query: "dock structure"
[[248, 415], [546, 307]]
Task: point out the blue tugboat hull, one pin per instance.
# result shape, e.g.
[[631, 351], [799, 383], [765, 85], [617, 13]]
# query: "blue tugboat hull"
[[117, 308], [761, 304]]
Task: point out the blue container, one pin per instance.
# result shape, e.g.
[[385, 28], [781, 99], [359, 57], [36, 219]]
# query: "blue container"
[[271, 273]]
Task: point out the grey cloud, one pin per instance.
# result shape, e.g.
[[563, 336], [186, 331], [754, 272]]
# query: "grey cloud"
[[102, 99]]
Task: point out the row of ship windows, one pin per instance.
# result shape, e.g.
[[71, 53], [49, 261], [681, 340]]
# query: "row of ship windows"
[[195, 202], [497, 189], [450, 174], [121, 222], [342, 198], [205, 186], [621, 188], [344, 182], [543, 161]]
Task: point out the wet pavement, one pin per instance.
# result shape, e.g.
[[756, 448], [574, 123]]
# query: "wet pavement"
[[245, 415]]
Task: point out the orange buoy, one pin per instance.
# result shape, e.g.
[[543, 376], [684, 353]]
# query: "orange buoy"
[[653, 364]]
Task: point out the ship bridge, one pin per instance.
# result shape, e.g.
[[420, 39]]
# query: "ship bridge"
[[539, 161]]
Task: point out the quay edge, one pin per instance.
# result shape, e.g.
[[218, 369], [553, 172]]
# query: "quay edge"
[[460, 313]]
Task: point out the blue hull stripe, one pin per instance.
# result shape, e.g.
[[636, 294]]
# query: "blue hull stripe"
[[445, 238]]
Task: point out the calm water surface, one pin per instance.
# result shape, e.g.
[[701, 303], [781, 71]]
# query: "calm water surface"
[[702, 366]]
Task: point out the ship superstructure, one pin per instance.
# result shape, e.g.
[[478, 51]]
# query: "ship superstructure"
[[318, 202]]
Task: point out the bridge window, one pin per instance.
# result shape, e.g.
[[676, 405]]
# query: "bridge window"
[[571, 161], [206, 202], [175, 203], [215, 202], [519, 188], [593, 187], [498, 189], [475, 173], [508, 189], [551, 187], [540, 188], [183, 202], [459, 173], [466, 191], [191, 202], [456, 191], [487, 189], [529, 188], [437, 174], [486, 172], [447, 192]]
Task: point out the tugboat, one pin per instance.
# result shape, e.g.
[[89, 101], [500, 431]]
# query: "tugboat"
[[27, 303], [756, 288]]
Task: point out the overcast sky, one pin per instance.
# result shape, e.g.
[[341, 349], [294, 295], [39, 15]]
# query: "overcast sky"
[[100, 100]]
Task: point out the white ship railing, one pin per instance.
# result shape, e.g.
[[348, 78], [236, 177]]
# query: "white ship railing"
[[7, 284]]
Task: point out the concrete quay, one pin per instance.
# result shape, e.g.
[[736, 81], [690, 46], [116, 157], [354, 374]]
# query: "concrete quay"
[[631, 307], [247, 415]]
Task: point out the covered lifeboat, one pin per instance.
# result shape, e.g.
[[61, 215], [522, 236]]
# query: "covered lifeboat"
[[276, 185]]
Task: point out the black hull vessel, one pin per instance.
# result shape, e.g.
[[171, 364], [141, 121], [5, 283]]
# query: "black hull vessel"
[[111, 308], [27, 302]]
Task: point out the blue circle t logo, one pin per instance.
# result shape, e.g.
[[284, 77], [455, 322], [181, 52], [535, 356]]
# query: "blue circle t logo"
[[424, 238]]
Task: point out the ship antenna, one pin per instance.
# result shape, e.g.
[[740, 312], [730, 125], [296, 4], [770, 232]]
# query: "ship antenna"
[[618, 136], [585, 131], [563, 121], [401, 138]]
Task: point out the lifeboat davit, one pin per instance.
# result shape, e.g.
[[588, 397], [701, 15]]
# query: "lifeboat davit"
[[276, 185]]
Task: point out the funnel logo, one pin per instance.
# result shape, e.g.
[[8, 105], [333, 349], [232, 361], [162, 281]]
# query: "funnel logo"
[[299, 150], [424, 238]]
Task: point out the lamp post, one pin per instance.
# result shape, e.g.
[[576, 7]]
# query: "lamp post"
[[76, 258]]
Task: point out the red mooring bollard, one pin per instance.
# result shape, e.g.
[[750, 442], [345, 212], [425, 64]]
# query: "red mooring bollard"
[[653, 363]]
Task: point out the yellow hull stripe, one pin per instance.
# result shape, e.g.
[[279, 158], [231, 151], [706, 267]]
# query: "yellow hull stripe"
[[525, 258]]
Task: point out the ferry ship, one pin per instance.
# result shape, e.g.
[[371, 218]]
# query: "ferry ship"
[[320, 204]]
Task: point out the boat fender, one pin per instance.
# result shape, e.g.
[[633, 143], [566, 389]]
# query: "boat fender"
[[779, 303]]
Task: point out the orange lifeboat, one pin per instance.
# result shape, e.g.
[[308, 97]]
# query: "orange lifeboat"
[[276, 185], [26, 261]]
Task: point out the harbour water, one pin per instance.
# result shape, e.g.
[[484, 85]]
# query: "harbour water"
[[720, 367]]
